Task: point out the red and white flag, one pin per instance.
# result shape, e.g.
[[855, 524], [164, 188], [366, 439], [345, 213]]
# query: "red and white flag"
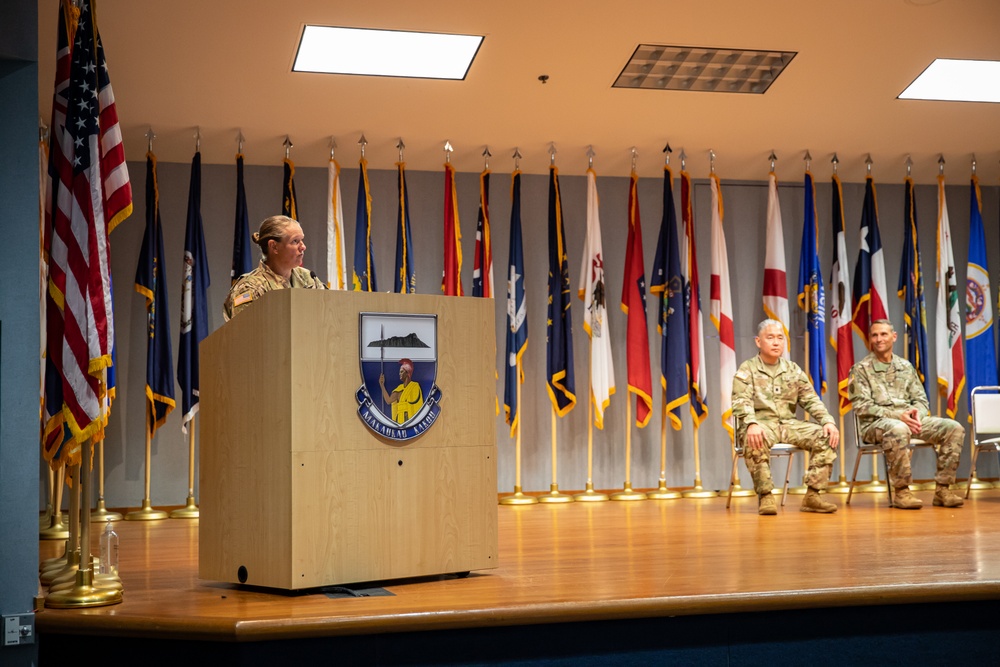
[[640, 379], [336, 258], [698, 378], [948, 320], [775, 281], [840, 300], [722, 307]]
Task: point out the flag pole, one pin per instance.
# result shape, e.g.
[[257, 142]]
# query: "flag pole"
[[841, 486], [554, 496], [65, 568], [190, 509], [627, 493], [57, 529], [518, 498], [698, 491], [662, 492], [589, 495], [147, 513], [102, 514], [801, 490]]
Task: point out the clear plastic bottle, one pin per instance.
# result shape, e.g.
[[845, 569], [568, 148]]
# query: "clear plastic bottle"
[[109, 550]]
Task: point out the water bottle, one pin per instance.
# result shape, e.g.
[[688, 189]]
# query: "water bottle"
[[109, 550]]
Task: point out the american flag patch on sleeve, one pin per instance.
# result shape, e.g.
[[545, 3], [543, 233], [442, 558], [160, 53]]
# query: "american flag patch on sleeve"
[[242, 298]]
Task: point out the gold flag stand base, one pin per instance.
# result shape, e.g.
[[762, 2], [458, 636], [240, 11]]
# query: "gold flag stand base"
[[554, 496], [931, 485], [147, 513], [698, 491], [108, 581], [663, 493], [739, 492], [797, 490], [590, 496], [56, 531], [189, 511], [58, 561], [975, 483], [874, 486], [842, 486], [628, 494], [102, 515], [83, 594], [518, 498], [45, 518]]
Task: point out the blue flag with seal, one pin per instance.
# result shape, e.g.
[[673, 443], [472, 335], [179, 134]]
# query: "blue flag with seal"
[[398, 398], [194, 303], [671, 322], [559, 339], [812, 296], [517, 310], [151, 282], [364, 255], [980, 350], [911, 291]]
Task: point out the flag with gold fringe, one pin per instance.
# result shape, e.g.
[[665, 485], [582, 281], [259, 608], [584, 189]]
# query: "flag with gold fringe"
[[667, 283], [697, 373], [721, 303], [451, 276], [364, 255], [194, 300], [406, 270], [517, 310], [980, 339], [336, 260], [559, 377], [911, 290], [869, 292], [812, 295], [242, 250], [948, 319], [482, 268], [288, 206], [840, 299], [633, 305], [775, 277]]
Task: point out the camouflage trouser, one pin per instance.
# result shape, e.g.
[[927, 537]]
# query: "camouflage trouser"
[[804, 435], [947, 436]]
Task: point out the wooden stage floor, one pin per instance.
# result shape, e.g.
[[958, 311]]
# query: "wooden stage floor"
[[581, 562]]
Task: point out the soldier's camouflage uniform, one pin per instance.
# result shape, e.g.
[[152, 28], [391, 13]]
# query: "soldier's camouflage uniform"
[[880, 393], [767, 396], [253, 285]]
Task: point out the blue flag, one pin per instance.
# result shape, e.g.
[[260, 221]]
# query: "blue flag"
[[151, 282], [242, 253], [671, 322], [194, 302], [364, 256], [911, 291], [980, 348], [517, 310], [559, 334], [406, 271], [812, 297]]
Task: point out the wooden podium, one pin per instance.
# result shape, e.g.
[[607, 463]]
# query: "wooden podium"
[[297, 492]]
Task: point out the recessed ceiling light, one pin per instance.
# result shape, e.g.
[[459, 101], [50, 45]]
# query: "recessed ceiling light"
[[957, 81], [370, 52], [701, 68]]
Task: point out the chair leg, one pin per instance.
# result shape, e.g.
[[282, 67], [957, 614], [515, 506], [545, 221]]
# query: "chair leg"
[[788, 475], [854, 477], [972, 468], [732, 476], [888, 480]]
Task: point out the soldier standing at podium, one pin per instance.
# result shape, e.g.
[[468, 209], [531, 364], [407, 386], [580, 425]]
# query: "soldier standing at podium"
[[282, 246]]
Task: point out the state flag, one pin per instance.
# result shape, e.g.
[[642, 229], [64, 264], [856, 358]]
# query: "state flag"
[[869, 292], [721, 301], [697, 373], [517, 310], [406, 270], [288, 205], [242, 250], [336, 259], [911, 290], [775, 278], [364, 255], [482, 268], [812, 296], [840, 300], [948, 320], [559, 327], [980, 345], [451, 276], [640, 382]]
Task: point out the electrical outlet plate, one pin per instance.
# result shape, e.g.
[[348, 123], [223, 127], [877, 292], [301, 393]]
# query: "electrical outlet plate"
[[18, 629]]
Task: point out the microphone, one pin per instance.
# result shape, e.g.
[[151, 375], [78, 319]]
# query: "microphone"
[[322, 285]]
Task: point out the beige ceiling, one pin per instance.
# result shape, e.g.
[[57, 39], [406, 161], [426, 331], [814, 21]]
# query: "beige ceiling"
[[224, 66]]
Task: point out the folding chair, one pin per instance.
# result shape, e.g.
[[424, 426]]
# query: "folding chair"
[[985, 422], [866, 448], [779, 449]]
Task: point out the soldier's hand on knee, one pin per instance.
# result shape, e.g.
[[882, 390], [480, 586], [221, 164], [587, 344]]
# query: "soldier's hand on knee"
[[831, 431], [755, 437]]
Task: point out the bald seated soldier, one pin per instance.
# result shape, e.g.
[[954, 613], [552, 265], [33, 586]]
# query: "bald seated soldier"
[[766, 391], [892, 407]]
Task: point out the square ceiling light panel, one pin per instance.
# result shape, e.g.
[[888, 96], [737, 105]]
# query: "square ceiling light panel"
[[956, 81], [421, 55], [702, 68]]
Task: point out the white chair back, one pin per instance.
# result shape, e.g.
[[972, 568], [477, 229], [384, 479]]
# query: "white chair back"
[[986, 411]]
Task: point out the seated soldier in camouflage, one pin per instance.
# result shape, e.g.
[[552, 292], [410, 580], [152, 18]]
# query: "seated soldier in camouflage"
[[282, 246], [892, 406], [766, 391]]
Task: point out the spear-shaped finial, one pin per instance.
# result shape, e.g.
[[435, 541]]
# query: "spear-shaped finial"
[[667, 150], [868, 163], [808, 159], [973, 164], [909, 165], [486, 157], [590, 156], [197, 139], [333, 147], [835, 161], [635, 155], [552, 152], [288, 146], [239, 141], [447, 151], [711, 161], [43, 130], [150, 135], [941, 163], [517, 158], [684, 158], [772, 158], [400, 146], [362, 142]]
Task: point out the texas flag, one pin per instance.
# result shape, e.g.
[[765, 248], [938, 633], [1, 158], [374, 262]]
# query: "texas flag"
[[869, 275]]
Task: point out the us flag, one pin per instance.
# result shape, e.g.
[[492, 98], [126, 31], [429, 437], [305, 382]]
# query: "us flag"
[[91, 194]]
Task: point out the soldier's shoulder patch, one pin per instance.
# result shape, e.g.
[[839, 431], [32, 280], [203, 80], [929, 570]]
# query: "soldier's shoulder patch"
[[244, 297], [743, 375]]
